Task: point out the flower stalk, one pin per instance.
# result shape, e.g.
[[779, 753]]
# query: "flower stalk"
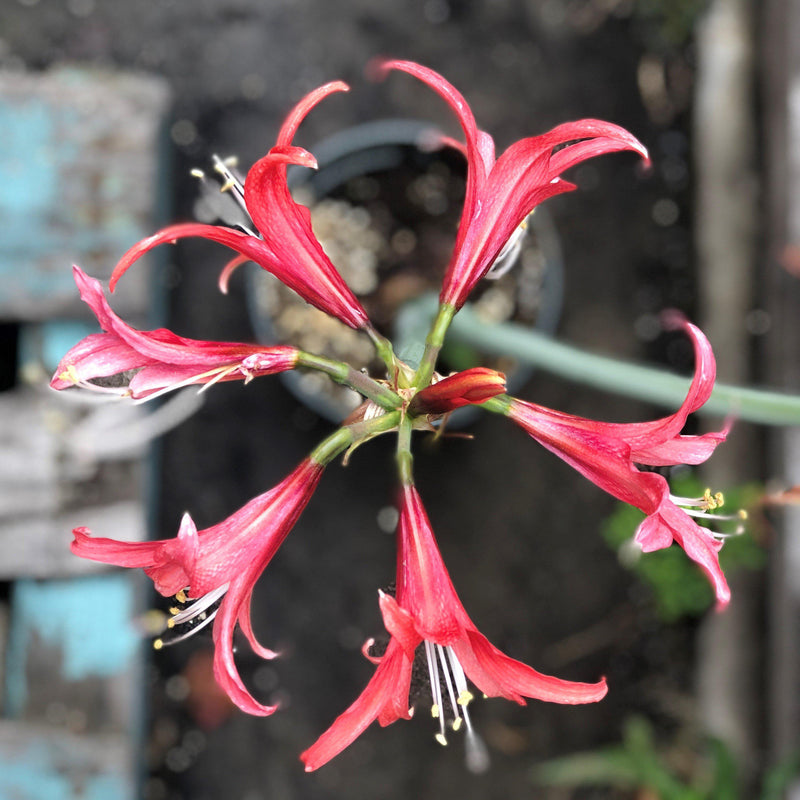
[[345, 375], [433, 345]]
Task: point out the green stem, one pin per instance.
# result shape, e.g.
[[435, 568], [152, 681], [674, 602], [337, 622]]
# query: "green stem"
[[384, 349], [350, 436], [347, 376], [404, 458], [433, 344], [329, 448], [633, 380]]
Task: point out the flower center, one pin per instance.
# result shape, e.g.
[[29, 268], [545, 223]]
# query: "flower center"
[[459, 695], [702, 508], [193, 618]]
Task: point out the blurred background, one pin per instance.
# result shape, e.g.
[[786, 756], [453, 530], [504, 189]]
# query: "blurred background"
[[105, 107]]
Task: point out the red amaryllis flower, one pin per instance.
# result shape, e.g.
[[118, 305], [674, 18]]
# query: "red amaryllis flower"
[[220, 563], [285, 244], [607, 454], [475, 385], [500, 193], [163, 360], [426, 610]]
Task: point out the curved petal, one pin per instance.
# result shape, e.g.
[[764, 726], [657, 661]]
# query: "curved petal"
[[225, 670], [98, 355], [672, 523], [524, 176], [496, 674], [400, 624], [385, 698], [301, 110], [245, 623], [167, 573]]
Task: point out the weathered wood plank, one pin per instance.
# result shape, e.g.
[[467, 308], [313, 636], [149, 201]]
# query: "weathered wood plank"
[[38, 761], [78, 183]]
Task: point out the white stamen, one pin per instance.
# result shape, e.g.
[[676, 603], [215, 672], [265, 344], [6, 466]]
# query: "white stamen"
[[509, 254], [702, 508], [197, 610], [437, 710], [218, 372], [476, 755], [232, 182], [200, 605], [449, 682], [189, 633]]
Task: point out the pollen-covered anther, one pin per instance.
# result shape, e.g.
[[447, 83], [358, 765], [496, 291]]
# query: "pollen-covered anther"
[[701, 508], [465, 698]]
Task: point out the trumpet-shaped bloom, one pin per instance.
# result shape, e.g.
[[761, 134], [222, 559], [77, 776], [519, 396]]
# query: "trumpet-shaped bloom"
[[220, 563], [163, 360], [285, 244], [426, 611], [501, 192], [607, 454]]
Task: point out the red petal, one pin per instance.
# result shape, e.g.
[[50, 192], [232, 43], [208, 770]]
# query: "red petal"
[[225, 670], [385, 697], [496, 674]]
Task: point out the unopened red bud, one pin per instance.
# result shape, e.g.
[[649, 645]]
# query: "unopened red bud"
[[476, 385]]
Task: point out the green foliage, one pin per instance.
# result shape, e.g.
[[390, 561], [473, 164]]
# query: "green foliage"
[[679, 588], [637, 764]]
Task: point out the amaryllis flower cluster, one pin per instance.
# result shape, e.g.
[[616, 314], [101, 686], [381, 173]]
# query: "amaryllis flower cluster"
[[212, 572]]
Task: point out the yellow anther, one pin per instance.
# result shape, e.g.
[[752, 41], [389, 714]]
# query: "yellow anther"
[[231, 161], [70, 374], [158, 644], [457, 723], [441, 739], [465, 698], [711, 502], [435, 711], [181, 596], [170, 623], [197, 173], [174, 610], [742, 513], [228, 185]]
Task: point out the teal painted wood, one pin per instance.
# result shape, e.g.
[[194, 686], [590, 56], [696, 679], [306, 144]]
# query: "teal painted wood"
[[84, 627], [79, 153], [42, 764], [72, 689]]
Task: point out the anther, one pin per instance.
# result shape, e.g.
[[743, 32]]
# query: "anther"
[[441, 738]]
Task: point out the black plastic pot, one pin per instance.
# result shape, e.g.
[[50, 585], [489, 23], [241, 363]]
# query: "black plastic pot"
[[386, 200]]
